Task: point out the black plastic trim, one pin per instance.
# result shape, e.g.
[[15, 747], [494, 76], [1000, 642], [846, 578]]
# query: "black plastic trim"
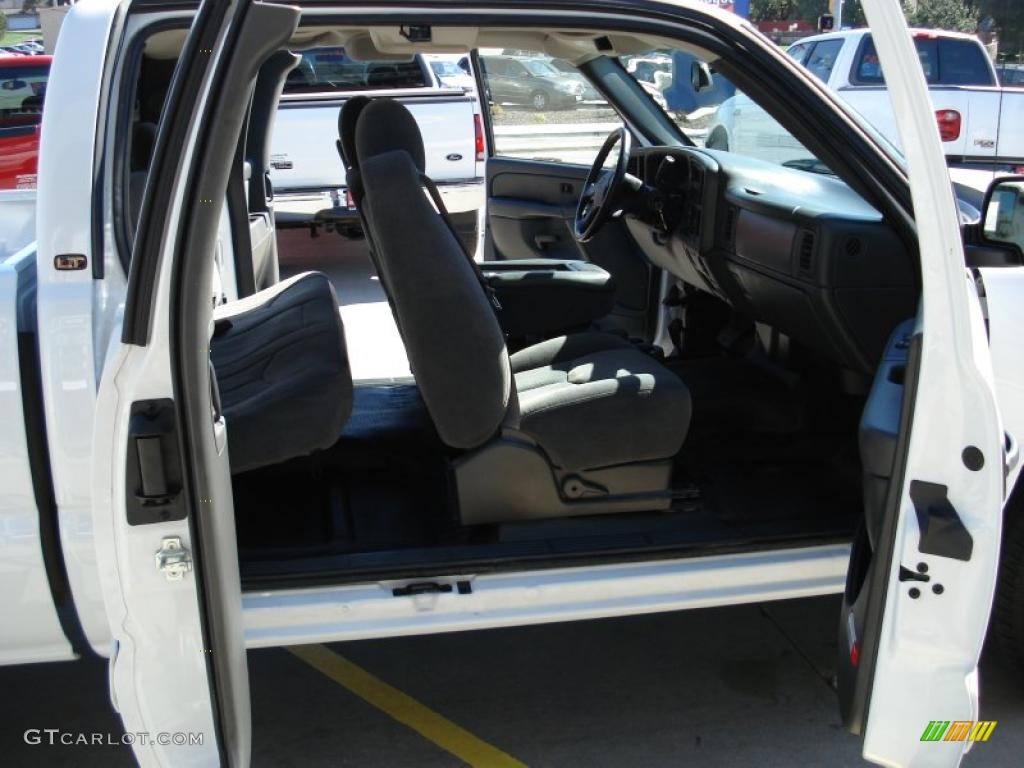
[[171, 141], [123, 226], [881, 566], [238, 221]]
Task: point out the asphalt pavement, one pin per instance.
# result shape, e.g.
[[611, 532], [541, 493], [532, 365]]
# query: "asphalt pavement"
[[738, 686]]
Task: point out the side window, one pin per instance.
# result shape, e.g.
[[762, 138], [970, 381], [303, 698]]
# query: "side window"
[[798, 51], [543, 108], [823, 58], [867, 69]]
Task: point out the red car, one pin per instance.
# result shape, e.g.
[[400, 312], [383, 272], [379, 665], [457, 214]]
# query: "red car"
[[22, 89]]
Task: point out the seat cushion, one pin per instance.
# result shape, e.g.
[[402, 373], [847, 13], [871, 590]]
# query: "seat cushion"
[[593, 400], [282, 370]]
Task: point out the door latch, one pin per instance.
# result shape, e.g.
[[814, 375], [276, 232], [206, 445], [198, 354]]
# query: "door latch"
[[173, 560]]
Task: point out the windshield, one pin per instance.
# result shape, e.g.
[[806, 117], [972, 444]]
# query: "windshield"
[[541, 68], [21, 93], [722, 117], [717, 115]]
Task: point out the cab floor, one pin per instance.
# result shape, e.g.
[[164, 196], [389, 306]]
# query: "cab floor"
[[758, 467]]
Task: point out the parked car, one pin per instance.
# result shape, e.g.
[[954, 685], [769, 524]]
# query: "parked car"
[[448, 72], [979, 122], [590, 93], [22, 91], [815, 388], [309, 185], [531, 81]]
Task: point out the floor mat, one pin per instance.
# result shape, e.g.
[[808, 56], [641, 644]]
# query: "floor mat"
[[383, 484], [771, 453]]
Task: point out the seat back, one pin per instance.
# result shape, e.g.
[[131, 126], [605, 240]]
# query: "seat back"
[[386, 125], [282, 371], [348, 117], [455, 345]]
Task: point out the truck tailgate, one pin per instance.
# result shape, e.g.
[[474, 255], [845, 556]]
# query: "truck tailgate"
[[1011, 126], [304, 157], [985, 132]]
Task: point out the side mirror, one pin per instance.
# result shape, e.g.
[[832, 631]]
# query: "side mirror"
[[700, 76], [1002, 215]]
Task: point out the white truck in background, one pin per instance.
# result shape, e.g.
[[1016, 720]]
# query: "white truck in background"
[[306, 172], [979, 122]]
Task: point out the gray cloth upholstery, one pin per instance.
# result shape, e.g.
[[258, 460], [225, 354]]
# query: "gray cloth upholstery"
[[348, 117], [282, 369], [564, 348], [384, 126], [593, 400], [455, 346]]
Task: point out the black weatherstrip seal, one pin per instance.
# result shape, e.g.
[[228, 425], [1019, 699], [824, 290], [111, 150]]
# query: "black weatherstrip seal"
[[42, 489], [882, 563], [171, 140]]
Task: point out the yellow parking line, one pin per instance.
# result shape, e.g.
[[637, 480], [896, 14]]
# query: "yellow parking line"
[[405, 709]]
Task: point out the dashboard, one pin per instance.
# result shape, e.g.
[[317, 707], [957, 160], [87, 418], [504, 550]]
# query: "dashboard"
[[798, 251]]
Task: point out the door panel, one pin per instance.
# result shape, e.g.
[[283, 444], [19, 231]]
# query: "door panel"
[[162, 501], [530, 209], [919, 595]]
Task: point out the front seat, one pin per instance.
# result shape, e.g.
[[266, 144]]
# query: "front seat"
[[576, 425]]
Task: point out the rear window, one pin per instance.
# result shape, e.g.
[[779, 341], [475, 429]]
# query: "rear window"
[[21, 95], [945, 61], [330, 69]]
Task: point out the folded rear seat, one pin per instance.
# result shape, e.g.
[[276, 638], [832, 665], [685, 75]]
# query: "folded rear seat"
[[283, 372]]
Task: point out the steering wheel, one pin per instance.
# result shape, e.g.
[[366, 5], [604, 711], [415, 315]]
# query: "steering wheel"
[[597, 200]]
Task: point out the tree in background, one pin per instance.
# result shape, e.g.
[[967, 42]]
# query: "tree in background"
[[28, 6], [786, 10], [957, 15], [1008, 16], [3, 24]]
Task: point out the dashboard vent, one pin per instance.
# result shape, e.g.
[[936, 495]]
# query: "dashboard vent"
[[805, 253]]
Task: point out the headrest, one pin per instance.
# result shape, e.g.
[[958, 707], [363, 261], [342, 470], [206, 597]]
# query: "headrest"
[[386, 126], [347, 118]]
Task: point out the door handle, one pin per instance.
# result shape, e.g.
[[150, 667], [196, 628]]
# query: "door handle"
[[153, 472], [543, 241]]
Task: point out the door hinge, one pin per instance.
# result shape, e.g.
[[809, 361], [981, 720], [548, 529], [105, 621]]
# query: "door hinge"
[[173, 559]]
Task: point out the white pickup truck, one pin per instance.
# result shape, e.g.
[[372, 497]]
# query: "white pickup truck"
[[979, 122], [307, 180], [188, 470]]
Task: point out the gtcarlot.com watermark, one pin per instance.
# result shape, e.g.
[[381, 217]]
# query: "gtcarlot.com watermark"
[[54, 736]]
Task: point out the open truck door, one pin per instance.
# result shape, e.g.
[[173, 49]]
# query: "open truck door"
[[164, 519], [923, 572]]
